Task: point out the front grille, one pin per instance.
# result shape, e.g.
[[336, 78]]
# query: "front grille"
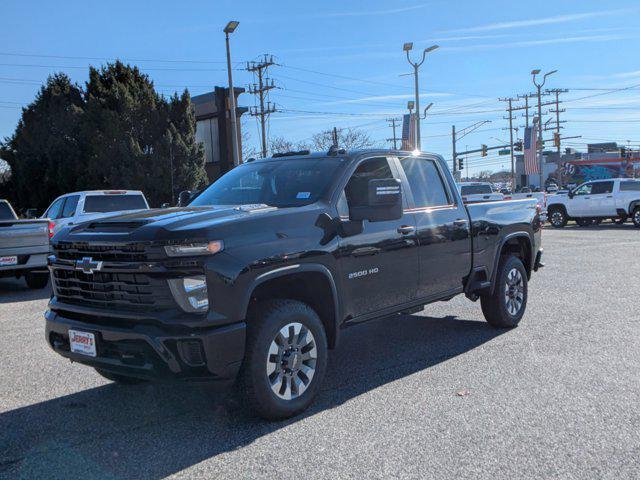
[[129, 252], [124, 291]]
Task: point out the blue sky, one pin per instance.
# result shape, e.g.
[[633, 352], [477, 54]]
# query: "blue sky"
[[487, 50]]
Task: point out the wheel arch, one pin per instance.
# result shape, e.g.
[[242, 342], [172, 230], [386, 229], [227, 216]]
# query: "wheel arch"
[[633, 205], [521, 246], [312, 284]]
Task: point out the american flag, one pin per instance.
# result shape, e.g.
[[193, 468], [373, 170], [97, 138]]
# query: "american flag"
[[530, 150], [408, 132]]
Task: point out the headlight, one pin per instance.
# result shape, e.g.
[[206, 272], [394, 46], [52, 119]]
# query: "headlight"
[[193, 249], [190, 293]]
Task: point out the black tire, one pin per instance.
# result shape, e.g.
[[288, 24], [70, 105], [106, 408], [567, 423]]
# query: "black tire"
[[265, 393], [120, 379], [635, 216], [36, 280], [494, 306], [557, 217]]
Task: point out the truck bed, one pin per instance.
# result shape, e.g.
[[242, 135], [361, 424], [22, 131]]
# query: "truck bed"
[[24, 244]]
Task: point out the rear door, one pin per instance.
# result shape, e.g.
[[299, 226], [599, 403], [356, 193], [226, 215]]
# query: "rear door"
[[444, 238], [602, 202], [379, 266]]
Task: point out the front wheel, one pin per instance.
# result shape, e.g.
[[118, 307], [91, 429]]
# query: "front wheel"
[[505, 307], [285, 359], [636, 217], [558, 218], [36, 280]]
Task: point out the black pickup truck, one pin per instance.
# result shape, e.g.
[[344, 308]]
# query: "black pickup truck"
[[261, 273]]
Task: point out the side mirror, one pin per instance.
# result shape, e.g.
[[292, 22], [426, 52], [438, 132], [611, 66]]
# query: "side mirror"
[[184, 197], [570, 194], [31, 213], [383, 202]]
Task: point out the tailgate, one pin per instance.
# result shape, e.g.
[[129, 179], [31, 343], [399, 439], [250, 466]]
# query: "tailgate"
[[23, 233]]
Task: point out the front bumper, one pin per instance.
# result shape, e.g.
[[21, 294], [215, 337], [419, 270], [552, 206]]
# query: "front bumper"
[[153, 353]]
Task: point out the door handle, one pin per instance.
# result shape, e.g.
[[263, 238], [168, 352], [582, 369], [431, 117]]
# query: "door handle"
[[459, 222], [609, 196], [406, 229]]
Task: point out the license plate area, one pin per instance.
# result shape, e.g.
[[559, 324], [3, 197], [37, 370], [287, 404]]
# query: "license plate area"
[[83, 343], [8, 261]]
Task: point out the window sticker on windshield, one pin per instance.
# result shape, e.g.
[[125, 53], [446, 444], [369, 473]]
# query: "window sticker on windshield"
[[302, 195]]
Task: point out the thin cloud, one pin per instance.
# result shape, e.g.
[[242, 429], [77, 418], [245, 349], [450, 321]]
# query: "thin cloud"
[[539, 21], [378, 98], [372, 13], [548, 41]]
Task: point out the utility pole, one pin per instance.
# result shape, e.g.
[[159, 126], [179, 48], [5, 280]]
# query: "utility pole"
[[230, 28], [557, 138], [540, 142], [264, 85], [526, 97], [394, 139], [453, 150], [416, 65], [335, 137], [513, 168]]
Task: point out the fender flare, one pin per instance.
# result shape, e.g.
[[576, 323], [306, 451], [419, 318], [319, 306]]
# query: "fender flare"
[[294, 269], [633, 205], [501, 244]]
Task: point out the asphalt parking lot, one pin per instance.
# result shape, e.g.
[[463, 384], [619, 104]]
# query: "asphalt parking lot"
[[558, 397]]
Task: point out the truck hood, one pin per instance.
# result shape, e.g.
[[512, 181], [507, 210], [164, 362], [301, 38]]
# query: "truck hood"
[[164, 223]]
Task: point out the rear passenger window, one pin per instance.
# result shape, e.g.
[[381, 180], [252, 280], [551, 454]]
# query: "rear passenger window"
[[602, 187], [630, 186], [425, 182]]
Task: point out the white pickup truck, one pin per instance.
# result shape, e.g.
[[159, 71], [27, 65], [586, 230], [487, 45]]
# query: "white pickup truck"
[[476, 192], [615, 198], [24, 246], [80, 207]]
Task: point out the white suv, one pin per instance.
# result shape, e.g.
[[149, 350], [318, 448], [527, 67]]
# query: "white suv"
[[614, 198], [476, 192], [78, 207]]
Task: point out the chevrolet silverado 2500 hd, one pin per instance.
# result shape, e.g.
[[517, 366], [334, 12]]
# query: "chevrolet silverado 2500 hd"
[[260, 274]]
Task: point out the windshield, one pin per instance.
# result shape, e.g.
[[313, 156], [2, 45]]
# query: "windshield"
[[5, 212], [113, 203], [475, 189], [283, 183]]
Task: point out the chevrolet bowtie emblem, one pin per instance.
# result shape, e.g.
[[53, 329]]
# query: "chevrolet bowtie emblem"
[[88, 265]]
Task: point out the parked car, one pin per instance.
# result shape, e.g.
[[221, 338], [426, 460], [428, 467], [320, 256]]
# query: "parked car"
[[617, 199], [551, 188], [24, 246], [78, 207], [260, 274], [474, 192], [540, 197]]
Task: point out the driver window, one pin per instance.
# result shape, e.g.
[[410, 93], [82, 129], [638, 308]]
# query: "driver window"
[[357, 189], [584, 189]]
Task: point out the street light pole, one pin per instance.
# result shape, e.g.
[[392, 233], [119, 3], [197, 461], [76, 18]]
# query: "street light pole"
[[231, 26], [416, 65], [540, 146]]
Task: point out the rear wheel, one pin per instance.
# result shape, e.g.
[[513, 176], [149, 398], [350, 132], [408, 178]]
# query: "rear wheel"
[[636, 217], [557, 218], [36, 280], [117, 378], [285, 359], [505, 307]]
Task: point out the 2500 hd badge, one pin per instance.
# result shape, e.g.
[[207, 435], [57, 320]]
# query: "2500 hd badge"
[[255, 279]]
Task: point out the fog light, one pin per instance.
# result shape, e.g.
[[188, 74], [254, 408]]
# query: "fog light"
[[190, 293]]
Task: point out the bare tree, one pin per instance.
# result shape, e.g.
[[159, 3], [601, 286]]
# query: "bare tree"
[[349, 138], [484, 175]]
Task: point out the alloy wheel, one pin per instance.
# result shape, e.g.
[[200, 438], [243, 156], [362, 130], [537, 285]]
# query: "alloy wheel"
[[514, 292], [291, 361]]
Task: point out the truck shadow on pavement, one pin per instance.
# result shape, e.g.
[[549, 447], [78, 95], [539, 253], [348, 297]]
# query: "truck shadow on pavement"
[[152, 431], [13, 290]]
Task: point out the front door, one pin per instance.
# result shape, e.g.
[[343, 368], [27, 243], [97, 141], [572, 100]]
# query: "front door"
[[380, 265], [443, 229], [580, 204]]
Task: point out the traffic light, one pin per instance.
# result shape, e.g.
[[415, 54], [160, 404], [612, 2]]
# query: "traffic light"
[[460, 164], [484, 150], [556, 139], [517, 147]]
